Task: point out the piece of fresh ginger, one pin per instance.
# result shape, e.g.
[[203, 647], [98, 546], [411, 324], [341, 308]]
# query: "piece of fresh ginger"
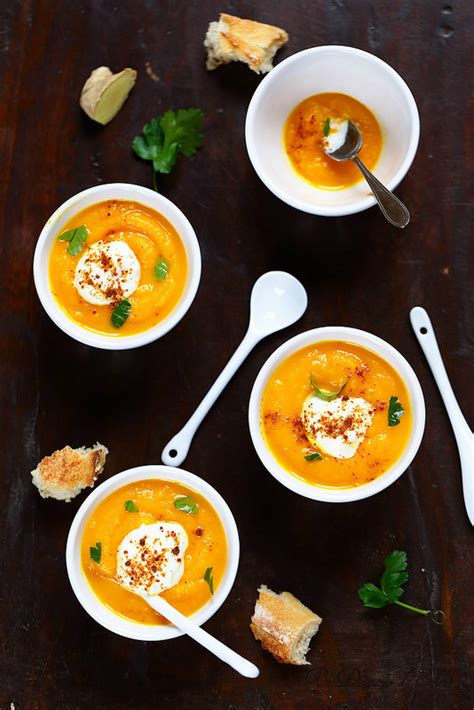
[[104, 93]]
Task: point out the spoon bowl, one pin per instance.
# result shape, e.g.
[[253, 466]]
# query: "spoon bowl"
[[277, 301], [351, 142]]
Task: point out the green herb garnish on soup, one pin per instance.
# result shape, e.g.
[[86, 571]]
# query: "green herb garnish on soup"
[[209, 579], [186, 504], [76, 238], [120, 313], [96, 552], [161, 269], [395, 411], [130, 506]]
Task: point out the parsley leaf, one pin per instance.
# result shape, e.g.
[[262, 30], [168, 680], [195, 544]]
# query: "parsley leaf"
[[161, 269], [149, 145], [130, 506], [120, 313], [372, 596], [209, 579], [313, 457], [165, 137], [327, 395], [326, 127], [96, 552], [76, 238], [394, 576], [395, 411], [187, 504]]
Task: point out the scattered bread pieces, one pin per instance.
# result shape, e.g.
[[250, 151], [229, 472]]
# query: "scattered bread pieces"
[[104, 93], [232, 39], [65, 473], [284, 626]]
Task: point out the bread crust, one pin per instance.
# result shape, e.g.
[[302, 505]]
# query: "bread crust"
[[67, 471], [284, 626], [235, 39]]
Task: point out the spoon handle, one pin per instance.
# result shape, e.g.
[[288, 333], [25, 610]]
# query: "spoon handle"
[[425, 334], [177, 448], [219, 649], [392, 208]]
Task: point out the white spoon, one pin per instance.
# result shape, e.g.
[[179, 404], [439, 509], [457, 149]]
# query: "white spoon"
[[464, 437], [277, 301], [223, 652]]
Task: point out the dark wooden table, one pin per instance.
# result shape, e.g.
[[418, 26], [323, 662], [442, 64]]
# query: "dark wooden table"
[[358, 271]]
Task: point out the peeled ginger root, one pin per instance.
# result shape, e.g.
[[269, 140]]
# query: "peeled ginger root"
[[104, 93]]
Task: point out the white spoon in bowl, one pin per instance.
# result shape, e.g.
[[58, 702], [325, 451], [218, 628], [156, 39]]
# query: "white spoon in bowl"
[[150, 560], [277, 301], [423, 329], [184, 623]]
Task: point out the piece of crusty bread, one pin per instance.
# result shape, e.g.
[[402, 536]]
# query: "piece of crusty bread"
[[232, 39], [284, 626], [67, 471]]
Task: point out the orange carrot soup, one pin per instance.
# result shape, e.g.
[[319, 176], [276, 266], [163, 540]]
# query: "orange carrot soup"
[[335, 414], [145, 503], [306, 128], [118, 268]]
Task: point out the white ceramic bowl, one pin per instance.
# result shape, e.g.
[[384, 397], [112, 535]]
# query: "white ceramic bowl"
[[330, 69], [99, 193], [82, 590], [376, 345]]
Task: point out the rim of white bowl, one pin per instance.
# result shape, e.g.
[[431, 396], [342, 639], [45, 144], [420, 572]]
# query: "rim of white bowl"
[[379, 347], [84, 593], [321, 210], [155, 201]]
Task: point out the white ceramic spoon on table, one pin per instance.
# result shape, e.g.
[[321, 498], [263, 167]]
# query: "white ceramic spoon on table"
[[277, 301], [184, 623], [464, 437]]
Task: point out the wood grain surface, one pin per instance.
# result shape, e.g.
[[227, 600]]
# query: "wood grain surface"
[[358, 272]]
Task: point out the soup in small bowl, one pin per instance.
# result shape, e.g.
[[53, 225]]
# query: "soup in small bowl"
[[152, 525], [312, 122], [287, 119], [117, 266], [336, 414]]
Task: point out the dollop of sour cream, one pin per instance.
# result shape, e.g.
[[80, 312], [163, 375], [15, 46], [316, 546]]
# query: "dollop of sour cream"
[[108, 272], [150, 559], [338, 427]]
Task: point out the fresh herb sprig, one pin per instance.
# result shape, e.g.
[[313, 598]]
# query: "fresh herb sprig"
[[186, 504], [76, 238], [327, 395], [394, 576], [209, 579], [326, 127], [395, 411], [167, 136]]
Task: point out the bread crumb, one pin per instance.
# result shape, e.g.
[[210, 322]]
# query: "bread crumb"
[[150, 72]]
